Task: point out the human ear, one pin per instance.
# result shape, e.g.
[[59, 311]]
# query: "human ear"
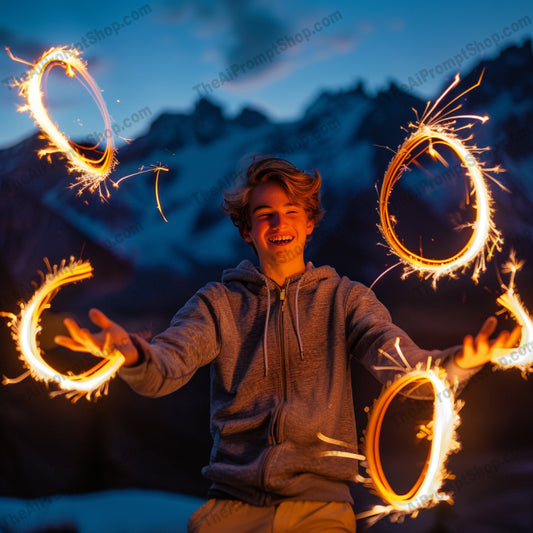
[[309, 227], [246, 235]]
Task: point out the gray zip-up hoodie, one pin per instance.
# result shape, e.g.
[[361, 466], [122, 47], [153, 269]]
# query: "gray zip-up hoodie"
[[280, 374]]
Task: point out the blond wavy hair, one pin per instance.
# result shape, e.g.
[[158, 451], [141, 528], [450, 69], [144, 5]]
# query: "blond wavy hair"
[[301, 188]]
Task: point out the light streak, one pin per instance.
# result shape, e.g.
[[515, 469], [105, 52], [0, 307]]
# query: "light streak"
[[522, 356], [26, 326], [437, 127], [441, 431], [92, 173], [336, 453], [157, 169]]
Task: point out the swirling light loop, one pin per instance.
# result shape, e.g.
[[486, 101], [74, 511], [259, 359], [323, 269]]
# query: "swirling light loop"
[[92, 172], [26, 327], [520, 357], [438, 127], [425, 491]]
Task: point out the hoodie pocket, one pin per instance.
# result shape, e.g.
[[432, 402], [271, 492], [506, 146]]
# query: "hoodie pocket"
[[241, 441]]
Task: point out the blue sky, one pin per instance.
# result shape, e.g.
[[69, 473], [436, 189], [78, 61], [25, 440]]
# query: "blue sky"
[[152, 57]]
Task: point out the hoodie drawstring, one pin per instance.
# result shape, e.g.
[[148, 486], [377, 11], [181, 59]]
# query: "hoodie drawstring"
[[300, 345], [265, 352]]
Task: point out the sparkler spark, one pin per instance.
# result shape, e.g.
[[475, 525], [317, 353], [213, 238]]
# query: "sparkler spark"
[[522, 356], [154, 168], [437, 127], [441, 431], [26, 327], [92, 173]]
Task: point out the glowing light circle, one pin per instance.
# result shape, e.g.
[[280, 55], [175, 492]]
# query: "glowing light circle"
[[522, 356], [437, 128], [26, 327], [425, 491], [475, 244], [93, 172]]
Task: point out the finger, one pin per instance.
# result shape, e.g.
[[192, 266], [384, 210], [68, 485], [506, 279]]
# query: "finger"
[[67, 342], [90, 341], [81, 337], [501, 340], [99, 318], [109, 347], [74, 330], [482, 344], [468, 347], [488, 327], [514, 337]]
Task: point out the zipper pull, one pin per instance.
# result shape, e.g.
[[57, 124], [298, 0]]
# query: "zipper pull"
[[282, 297], [282, 293]]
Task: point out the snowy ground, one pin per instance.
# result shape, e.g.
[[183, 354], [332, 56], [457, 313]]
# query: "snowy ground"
[[119, 511], [493, 494]]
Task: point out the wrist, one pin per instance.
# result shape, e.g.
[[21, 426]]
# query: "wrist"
[[134, 353], [459, 361], [131, 356]]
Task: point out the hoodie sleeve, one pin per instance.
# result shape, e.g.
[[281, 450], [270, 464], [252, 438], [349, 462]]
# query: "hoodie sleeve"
[[170, 360], [370, 332]]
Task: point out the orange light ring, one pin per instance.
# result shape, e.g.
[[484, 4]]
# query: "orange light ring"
[[425, 491], [93, 172], [26, 327], [512, 357], [483, 228]]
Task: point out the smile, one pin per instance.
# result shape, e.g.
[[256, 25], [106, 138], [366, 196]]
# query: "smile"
[[280, 239]]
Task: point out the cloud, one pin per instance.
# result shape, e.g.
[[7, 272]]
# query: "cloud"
[[172, 13], [21, 47], [241, 33], [240, 29], [253, 30], [262, 77], [338, 43]]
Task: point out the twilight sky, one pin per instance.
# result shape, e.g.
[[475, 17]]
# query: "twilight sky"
[[274, 55]]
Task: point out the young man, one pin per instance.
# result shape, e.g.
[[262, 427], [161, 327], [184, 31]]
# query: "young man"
[[279, 339]]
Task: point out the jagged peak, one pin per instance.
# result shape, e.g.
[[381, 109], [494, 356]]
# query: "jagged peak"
[[205, 107], [329, 100], [251, 118]]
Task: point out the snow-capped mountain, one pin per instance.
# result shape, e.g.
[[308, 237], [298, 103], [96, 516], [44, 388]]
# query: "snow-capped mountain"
[[145, 268], [345, 135]]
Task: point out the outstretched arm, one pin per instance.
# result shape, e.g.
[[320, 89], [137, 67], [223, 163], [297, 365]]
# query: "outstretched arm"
[[372, 340], [171, 358], [112, 336], [478, 351]]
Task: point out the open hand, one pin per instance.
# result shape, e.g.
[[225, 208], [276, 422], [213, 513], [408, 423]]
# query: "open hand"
[[480, 350], [111, 337]]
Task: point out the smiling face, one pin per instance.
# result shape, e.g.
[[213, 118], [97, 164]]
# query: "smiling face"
[[279, 229]]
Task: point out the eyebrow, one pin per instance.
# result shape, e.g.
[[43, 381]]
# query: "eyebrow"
[[288, 204]]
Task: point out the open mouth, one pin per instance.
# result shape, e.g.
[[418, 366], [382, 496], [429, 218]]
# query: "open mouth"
[[280, 240]]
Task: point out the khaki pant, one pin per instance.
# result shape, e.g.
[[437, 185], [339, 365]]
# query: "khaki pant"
[[233, 516]]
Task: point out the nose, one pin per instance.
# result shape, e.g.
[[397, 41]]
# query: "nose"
[[277, 219]]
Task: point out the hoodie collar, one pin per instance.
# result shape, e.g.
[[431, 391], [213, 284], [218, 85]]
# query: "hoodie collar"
[[248, 274]]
